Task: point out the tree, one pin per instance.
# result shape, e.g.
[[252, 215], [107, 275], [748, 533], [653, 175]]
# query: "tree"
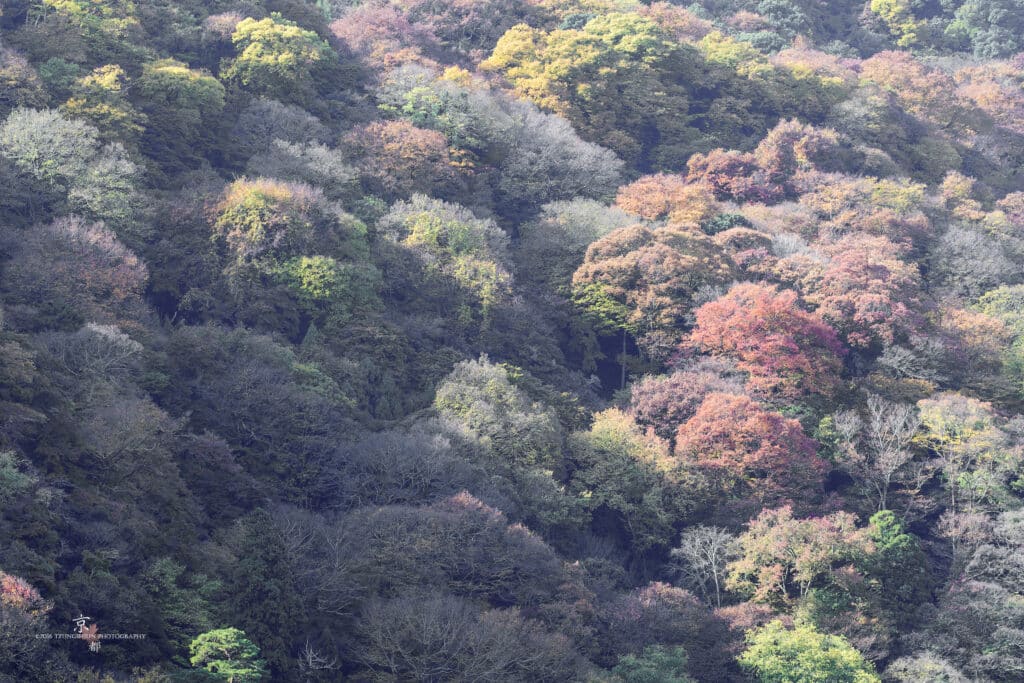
[[702, 557], [285, 413], [14, 479], [383, 36], [108, 30], [315, 665], [751, 455], [866, 291], [886, 207], [620, 477], [181, 600], [896, 561], [100, 98], [924, 666], [643, 282], [733, 176], [515, 429], [19, 83], [397, 159], [969, 262], [72, 271], [962, 197], [776, 654], [971, 451], [267, 120], [739, 55], [23, 613], [263, 596], [545, 161], [663, 403], [782, 558], [310, 163], [456, 246], [19, 374], [418, 465], [992, 29], [467, 27], [433, 636], [980, 354], [618, 73], [229, 655], [979, 621], [1006, 304], [922, 90], [286, 241], [682, 24], [661, 614], [991, 88], [456, 545], [537, 157], [669, 198], [277, 58], [899, 18], [791, 147], [553, 246], [787, 352], [68, 169], [877, 449], [998, 560], [656, 664], [183, 107], [128, 440], [327, 288], [477, 120]]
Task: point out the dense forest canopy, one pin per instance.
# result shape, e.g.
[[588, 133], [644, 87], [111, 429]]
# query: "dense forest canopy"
[[511, 340]]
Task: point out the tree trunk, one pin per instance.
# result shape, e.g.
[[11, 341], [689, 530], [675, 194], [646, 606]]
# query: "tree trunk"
[[622, 360]]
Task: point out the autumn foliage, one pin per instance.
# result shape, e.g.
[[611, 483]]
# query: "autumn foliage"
[[89, 272], [644, 280], [787, 352], [397, 159], [733, 175], [866, 291], [751, 453], [512, 340], [662, 404], [664, 197]]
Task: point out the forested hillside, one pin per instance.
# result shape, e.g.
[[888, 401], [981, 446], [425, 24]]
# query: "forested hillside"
[[511, 340]]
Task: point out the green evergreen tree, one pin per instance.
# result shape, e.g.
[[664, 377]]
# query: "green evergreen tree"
[[264, 598], [657, 664], [228, 655]]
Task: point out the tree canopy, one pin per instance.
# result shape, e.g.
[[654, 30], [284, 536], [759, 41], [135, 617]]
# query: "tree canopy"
[[511, 340]]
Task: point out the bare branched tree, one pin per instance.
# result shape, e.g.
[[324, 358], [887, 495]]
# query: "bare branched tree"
[[314, 664], [876, 448], [438, 637], [320, 555], [701, 558]]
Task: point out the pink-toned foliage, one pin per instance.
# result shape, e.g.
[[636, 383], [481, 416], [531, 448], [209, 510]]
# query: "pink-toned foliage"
[[787, 352], [753, 455]]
